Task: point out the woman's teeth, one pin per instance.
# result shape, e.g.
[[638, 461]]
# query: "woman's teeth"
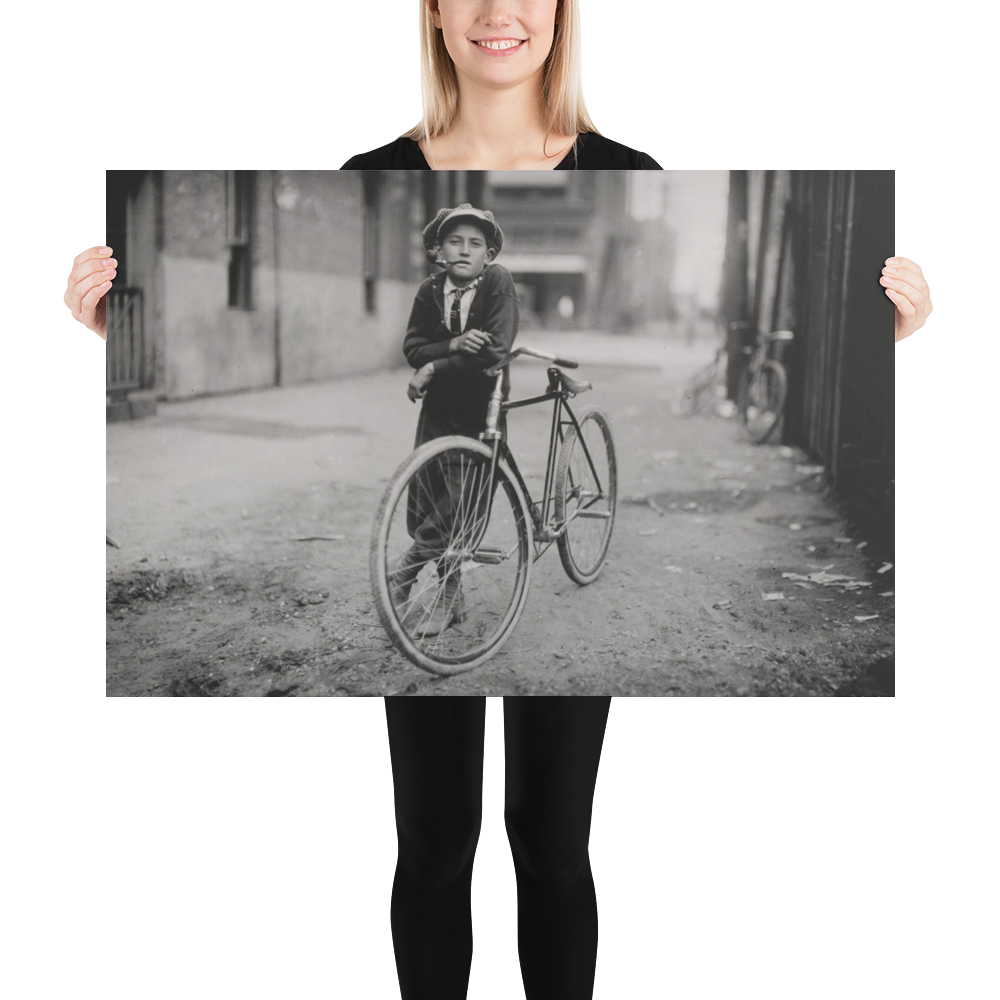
[[507, 43]]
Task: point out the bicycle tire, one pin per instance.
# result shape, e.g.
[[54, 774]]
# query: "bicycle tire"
[[763, 401], [583, 545], [488, 543]]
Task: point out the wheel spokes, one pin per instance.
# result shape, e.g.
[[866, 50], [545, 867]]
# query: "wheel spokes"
[[587, 508], [473, 555]]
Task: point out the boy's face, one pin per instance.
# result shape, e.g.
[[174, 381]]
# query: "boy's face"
[[464, 254]]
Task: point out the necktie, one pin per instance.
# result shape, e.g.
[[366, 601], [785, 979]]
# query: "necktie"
[[455, 319], [456, 306]]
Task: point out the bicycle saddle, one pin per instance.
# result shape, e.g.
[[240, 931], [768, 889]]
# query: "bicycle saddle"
[[574, 386]]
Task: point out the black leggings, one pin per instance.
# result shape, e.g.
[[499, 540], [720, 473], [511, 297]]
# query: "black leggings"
[[553, 747]]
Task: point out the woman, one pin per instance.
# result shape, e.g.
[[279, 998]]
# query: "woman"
[[501, 89], [552, 747]]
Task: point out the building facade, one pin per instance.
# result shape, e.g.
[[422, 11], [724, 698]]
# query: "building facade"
[[804, 253], [243, 279]]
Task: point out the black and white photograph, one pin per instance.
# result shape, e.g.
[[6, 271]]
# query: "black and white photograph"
[[500, 432], [498, 419]]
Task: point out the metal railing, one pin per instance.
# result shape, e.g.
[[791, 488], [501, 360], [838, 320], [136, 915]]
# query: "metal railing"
[[125, 341]]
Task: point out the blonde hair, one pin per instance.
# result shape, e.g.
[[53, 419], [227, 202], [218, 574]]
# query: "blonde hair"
[[564, 111]]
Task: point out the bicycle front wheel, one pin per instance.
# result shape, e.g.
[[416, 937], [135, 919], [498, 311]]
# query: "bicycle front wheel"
[[586, 489], [450, 556], [764, 401]]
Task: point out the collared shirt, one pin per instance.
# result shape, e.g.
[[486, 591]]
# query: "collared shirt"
[[458, 391], [450, 290]]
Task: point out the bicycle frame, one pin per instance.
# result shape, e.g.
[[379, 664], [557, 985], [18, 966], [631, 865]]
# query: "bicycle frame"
[[762, 349], [544, 531]]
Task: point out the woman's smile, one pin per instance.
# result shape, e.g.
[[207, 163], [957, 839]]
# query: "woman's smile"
[[497, 46]]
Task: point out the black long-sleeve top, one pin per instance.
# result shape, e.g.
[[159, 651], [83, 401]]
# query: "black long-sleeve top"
[[591, 152], [459, 390]]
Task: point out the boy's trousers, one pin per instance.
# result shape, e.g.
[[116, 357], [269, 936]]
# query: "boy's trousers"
[[552, 752], [442, 490]]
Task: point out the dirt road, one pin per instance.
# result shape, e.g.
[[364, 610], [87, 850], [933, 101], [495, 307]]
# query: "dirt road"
[[243, 524]]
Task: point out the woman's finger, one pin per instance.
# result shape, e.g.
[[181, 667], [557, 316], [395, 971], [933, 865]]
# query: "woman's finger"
[[906, 308], [91, 253], [89, 275], [915, 295], [96, 292], [95, 265], [904, 262], [93, 296], [913, 273], [84, 303], [83, 288], [903, 269]]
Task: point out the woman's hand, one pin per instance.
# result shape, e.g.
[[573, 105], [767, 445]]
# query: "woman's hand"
[[470, 342], [418, 384], [87, 286], [904, 284]]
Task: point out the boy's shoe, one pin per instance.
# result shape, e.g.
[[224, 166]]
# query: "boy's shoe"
[[449, 610], [402, 575]]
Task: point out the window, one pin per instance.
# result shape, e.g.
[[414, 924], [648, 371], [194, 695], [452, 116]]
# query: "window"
[[239, 219], [533, 185], [371, 182]]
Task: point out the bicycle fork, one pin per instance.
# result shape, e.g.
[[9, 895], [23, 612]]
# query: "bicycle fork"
[[473, 549]]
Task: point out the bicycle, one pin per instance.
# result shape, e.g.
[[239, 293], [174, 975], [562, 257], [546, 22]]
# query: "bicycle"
[[763, 387], [460, 521]]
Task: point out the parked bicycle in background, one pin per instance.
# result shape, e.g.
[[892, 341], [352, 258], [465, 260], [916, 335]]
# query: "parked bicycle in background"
[[750, 374], [763, 386]]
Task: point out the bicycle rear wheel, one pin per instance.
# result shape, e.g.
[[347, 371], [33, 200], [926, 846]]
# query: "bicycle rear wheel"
[[448, 544], [764, 401], [586, 490]]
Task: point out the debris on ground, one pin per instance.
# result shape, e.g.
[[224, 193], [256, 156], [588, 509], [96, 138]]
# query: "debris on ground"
[[318, 538], [825, 579], [673, 569], [311, 597], [885, 568], [864, 618], [773, 596]]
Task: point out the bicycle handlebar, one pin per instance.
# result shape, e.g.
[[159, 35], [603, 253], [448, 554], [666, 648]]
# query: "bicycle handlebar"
[[531, 352]]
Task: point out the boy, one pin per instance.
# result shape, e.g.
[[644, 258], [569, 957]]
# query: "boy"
[[463, 321]]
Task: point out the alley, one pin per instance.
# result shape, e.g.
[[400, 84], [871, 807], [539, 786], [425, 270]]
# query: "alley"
[[243, 523]]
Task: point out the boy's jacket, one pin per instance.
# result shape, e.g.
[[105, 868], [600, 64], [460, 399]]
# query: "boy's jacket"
[[459, 390]]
